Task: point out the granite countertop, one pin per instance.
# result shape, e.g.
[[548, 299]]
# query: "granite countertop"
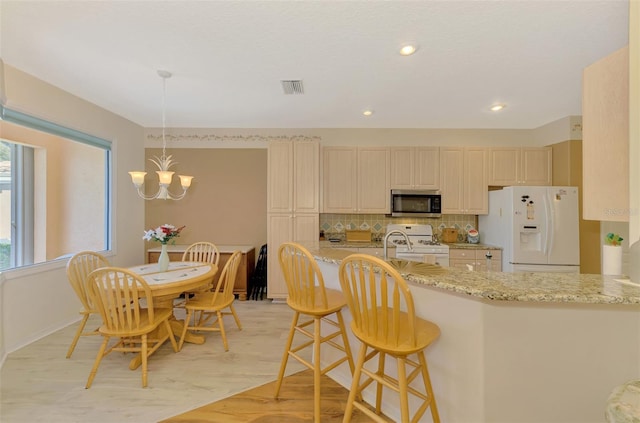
[[467, 246], [345, 244], [525, 286], [623, 405], [380, 244]]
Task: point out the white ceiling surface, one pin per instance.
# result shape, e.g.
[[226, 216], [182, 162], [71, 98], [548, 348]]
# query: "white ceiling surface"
[[228, 57]]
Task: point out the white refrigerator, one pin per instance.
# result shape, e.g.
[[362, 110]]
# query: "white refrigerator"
[[537, 228]]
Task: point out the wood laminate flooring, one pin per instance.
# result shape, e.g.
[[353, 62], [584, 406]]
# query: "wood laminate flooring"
[[294, 404], [39, 385]]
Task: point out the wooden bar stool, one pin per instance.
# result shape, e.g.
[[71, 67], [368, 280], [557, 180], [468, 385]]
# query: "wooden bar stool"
[[384, 320], [309, 297]]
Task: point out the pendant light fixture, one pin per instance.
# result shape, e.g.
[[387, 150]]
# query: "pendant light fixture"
[[163, 162]]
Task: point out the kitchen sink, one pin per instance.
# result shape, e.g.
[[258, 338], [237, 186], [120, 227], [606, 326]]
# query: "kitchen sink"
[[406, 266]]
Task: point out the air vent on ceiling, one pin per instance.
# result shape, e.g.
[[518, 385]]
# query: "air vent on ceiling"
[[292, 86]]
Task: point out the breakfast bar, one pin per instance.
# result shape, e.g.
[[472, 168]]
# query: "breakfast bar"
[[525, 347]]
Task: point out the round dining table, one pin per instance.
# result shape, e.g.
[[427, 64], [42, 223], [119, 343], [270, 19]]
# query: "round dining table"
[[182, 276]]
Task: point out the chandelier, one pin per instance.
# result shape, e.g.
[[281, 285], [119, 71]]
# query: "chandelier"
[[163, 162]]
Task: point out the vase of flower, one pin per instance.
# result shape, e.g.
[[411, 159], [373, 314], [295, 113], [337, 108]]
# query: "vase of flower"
[[163, 234], [163, 260]]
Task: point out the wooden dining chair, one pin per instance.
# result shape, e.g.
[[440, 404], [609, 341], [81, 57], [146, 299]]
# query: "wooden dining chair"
[[309, 298], [78, 268], [384, 320], [204, 252], [206, 309], [119, 296]]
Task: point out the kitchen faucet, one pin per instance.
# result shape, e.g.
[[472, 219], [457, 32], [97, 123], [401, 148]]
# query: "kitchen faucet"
[[386, 238]]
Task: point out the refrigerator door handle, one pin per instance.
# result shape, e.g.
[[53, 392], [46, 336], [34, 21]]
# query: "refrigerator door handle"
[[548, 244]]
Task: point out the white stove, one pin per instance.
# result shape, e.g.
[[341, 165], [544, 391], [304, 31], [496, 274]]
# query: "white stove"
[[424, 247]]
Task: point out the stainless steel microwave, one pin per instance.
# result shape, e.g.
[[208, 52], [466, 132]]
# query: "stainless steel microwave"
[[405, 203]]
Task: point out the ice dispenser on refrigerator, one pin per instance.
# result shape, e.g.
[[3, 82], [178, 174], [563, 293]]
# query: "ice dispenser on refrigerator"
[[530, 238]]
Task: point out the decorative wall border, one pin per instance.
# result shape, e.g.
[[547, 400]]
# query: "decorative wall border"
[[232, 138]]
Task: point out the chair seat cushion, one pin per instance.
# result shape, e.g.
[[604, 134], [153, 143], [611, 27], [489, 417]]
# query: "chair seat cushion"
[[335, 302], [400, 343]]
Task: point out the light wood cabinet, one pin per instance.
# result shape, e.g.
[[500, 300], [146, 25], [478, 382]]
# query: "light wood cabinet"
[[285, 227], [463, 180], [461, 257], [339, 173], [373, 195], [293, 181], [355, 180], [293, 198], [245, 271], [605, 138], [415, 167], [520, 166]]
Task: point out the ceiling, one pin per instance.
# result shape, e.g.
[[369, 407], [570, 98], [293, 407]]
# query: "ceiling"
[[228, 58]]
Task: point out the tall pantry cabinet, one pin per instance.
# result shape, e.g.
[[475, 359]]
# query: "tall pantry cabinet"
[[293, 197]]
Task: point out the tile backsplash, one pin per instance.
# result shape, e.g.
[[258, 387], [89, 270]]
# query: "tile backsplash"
[[336, 224]]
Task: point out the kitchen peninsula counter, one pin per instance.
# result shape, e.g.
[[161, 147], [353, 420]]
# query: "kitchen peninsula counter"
[[380, 244], [526, 347], [525, 286]]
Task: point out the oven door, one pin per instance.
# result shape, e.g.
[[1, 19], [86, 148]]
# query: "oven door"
[[441, 259]]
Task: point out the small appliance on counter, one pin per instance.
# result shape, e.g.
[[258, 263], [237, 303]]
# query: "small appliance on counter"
[[358, 235], [449, 235], [473, 237]]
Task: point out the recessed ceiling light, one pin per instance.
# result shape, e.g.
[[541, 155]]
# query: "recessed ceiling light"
[[408, 50], [367, 112], [497, 107]]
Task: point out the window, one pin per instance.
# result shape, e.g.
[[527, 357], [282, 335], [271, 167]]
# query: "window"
[[54, 191]]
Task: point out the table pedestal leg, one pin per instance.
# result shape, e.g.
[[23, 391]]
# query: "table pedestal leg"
[[176, 328]]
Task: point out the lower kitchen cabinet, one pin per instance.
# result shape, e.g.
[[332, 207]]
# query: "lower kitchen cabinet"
[[286, 227], [245, 271], [461, 257]]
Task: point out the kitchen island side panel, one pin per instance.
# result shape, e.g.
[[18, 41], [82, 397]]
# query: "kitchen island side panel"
[[506, 361]]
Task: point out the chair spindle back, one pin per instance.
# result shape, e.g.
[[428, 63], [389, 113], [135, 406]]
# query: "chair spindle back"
[[303, 276], [379, 300], [120, 296]]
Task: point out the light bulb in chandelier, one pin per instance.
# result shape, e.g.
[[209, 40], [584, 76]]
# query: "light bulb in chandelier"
[[164, 163]]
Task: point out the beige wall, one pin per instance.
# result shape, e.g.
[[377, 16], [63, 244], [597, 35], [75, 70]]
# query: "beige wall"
[[52, 303], [227, 202], [634, 137]]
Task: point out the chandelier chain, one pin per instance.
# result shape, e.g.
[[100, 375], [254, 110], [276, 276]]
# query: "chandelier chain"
[[164, 99]]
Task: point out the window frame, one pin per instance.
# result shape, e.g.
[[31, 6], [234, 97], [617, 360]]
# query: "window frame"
[[28, 121]]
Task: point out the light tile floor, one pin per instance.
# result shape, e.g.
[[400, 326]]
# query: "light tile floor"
[[38, 384]]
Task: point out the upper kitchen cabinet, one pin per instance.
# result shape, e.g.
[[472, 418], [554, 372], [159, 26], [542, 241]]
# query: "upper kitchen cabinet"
[[605, 138], [355, 180], [415, 168], [293, 177], [463, 180], [520, 166]]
